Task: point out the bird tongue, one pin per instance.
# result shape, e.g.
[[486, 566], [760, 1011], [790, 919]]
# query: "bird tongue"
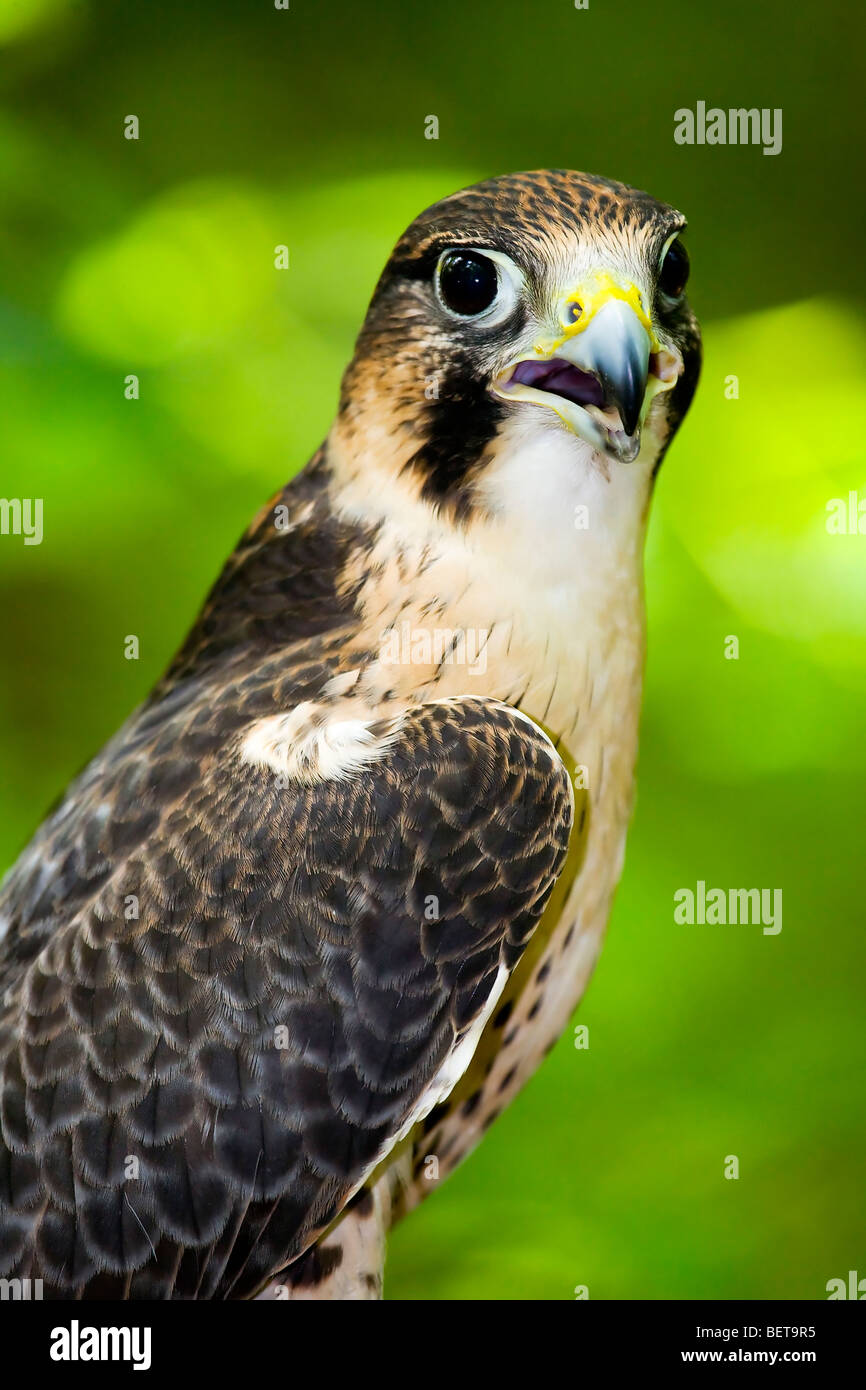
[[561, 378]]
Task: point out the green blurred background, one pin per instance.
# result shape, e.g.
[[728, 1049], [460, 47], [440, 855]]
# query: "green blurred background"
[[155, 257]]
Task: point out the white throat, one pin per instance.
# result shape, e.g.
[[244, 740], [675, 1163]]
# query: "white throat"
[[546, 576]]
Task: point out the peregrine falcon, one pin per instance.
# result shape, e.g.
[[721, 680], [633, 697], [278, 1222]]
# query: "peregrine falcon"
[[312, 917]]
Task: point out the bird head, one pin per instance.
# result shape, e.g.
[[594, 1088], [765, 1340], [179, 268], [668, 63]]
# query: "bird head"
[[540, 301]]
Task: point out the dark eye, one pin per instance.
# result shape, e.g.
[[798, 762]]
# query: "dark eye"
[[674, 270], [468, 283]]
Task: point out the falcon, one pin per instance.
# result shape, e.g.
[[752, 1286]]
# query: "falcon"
[[308, 922]]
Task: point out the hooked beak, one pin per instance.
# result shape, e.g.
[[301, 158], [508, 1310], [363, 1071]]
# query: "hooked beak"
[[602, 374]]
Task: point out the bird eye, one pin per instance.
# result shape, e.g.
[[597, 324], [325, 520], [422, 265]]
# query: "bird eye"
[[674, 270], [468, 282]]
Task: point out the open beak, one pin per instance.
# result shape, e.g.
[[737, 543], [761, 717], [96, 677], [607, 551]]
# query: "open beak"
[[602, 373]]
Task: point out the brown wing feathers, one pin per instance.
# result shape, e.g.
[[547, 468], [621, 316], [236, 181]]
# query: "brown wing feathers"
[[191, 1092]]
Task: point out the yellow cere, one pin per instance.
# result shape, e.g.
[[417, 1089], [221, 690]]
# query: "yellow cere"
[[591, 296]]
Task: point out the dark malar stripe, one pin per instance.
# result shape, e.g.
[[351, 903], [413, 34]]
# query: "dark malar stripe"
[[457, 429]]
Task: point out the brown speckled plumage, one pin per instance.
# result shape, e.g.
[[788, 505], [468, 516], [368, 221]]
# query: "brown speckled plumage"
[[226, 1006]]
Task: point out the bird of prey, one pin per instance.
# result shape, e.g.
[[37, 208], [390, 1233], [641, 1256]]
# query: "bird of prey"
[[302, 929]]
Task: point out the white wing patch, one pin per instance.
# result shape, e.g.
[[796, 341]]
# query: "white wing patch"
[[308, 747]]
